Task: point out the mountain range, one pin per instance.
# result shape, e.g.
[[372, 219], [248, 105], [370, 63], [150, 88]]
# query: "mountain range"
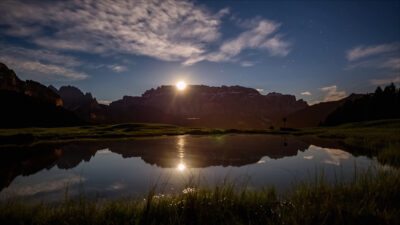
[[29, 103], [197, 105]]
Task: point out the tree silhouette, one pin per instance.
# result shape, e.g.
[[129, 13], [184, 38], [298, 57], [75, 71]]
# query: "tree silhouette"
[[383, 104]]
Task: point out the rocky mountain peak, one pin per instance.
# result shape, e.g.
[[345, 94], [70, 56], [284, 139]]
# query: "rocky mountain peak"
[[84, 105], [201, 105], [170, 90], [10, 82]]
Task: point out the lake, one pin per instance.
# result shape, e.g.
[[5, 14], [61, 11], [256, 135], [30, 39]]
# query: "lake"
[[119, 168]]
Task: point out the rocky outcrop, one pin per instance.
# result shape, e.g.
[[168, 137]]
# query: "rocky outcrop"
[[10, 82], [30, 103], [83, 105], [204, 106]]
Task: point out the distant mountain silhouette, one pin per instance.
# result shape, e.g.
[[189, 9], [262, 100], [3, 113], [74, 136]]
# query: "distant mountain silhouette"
[[131, 109], [10, 82], [29, 103], [204, 106], [83, 105], [314, 115], [383, 104], [197, 105]]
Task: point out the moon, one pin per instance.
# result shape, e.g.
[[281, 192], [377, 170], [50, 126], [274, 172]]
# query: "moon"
[[181, 166], [181, 85]]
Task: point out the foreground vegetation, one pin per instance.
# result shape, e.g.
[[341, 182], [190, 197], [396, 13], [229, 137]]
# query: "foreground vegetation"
[[382, 104], [379, 138], [371, 198], [386, 130]]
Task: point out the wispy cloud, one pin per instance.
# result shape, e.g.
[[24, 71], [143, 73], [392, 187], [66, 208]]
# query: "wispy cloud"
[[305, 93], [332, 94], [40, 71], [366, 51], [167, 30], [260, 90], [259, 36], [384, 56], [43, 55], [385, 81], [105, 102], [117, 68], [247, 64], [382, 62], [41, 64], [392, 63]]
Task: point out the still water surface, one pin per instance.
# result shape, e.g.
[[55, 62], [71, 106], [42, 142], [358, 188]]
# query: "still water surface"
[[120, 168]]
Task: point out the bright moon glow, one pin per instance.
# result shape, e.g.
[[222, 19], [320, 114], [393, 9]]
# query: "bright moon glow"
[[181, 85], [181, 167]]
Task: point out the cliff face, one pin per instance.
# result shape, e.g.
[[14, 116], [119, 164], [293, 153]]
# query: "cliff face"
[[83, 105], [199, 105], [30, 103], [10, 82]]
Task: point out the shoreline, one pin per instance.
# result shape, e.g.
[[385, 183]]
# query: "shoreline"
[[375, 138]]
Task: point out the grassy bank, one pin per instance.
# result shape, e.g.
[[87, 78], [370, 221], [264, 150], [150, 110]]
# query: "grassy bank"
[[374, 138], [382, 130], [367, 199]]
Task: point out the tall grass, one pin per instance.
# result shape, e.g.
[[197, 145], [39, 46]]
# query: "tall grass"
[[370, 198]]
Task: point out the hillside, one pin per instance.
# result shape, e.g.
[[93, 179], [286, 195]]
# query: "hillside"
[[29, 103], [205, 106], [383, 104], [315, 114]]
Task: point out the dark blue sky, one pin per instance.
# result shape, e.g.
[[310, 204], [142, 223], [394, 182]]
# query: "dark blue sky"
[[316, 50]]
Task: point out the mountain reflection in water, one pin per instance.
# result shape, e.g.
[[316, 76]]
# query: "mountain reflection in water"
[[166, 152]]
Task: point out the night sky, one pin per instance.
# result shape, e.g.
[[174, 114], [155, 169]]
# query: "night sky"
[[316, 50]]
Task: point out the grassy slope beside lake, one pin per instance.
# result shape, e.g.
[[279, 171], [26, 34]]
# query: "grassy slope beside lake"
[[374, 138]]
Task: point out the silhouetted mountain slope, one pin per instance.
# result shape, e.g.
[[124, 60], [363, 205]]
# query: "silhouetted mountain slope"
[[132, 109], [83, 105], [10, 82], [32, 104], [379, 105], [29, 103], [315, 114], [204, 106]]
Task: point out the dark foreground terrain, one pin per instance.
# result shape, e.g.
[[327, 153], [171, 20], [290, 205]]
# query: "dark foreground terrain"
[[368, 199]]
